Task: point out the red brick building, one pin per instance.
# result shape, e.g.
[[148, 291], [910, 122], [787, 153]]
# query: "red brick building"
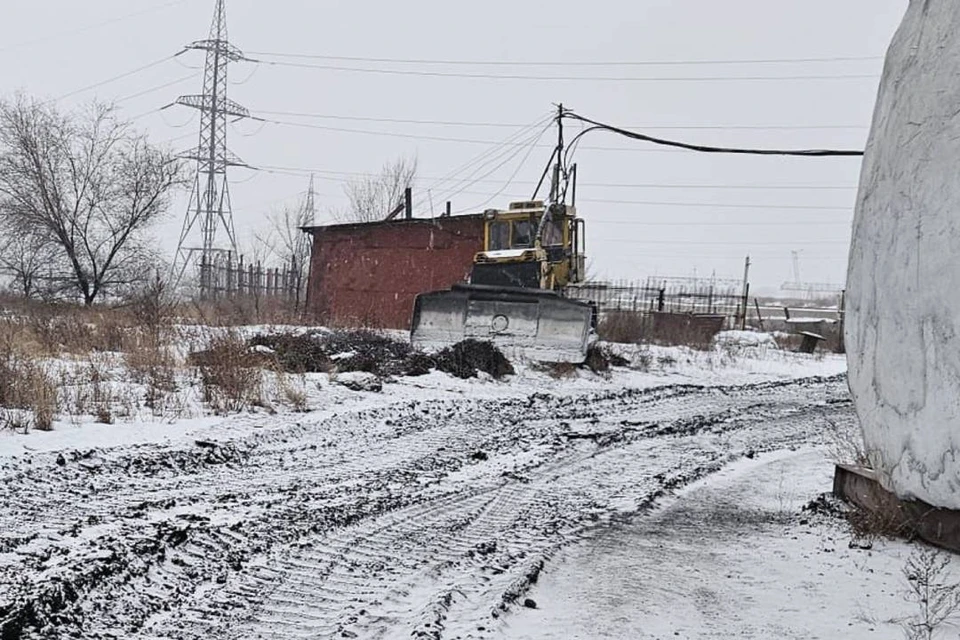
[[368, 274]]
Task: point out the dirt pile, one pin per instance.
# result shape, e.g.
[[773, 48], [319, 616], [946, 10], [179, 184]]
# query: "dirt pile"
[[340, 351], [601, 357], [381, 355], [466, 359]]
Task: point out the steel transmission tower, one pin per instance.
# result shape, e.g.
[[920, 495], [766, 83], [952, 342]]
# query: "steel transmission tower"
[[209, 206], [310, 206]]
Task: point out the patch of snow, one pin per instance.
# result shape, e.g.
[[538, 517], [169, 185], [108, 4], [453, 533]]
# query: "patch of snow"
[[745, 339], [731, 555], [358, 381], [264, 349]]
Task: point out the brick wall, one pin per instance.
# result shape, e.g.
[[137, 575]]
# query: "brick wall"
[[369, 274]]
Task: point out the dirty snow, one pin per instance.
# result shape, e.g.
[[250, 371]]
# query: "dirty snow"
[[434, 508]]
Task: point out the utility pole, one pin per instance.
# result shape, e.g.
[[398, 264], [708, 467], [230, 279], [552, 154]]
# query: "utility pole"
[[746, 293], [209, 206]]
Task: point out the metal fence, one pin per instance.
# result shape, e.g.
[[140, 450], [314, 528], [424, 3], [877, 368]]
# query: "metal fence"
[[224, 278], [706, 296]]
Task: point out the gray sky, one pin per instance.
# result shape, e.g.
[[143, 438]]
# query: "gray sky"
[[58, 46]]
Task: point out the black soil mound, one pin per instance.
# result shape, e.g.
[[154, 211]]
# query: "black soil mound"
[[466, 359], [601, 357], [341, 351], [379, 354]]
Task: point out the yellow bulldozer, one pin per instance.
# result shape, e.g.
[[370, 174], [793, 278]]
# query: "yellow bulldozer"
[[515, 297]]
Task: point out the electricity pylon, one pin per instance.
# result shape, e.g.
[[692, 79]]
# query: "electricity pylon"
[[209, 206]]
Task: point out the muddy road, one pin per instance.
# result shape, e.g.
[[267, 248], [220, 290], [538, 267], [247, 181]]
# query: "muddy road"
[[425, 519]]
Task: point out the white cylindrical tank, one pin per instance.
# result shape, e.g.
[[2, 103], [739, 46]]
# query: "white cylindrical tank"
[[903, 281]]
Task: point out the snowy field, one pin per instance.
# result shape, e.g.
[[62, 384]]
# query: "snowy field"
[[655, 503]]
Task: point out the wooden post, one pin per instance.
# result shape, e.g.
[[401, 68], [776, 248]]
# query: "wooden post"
[[746, 303], [842, 313], [756, 303], [408, 203], [746, 293]]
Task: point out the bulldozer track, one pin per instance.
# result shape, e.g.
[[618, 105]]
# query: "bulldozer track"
[[423, 519]]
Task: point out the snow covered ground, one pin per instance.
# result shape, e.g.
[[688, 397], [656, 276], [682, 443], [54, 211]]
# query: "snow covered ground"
[[732, 555], [435, 508]]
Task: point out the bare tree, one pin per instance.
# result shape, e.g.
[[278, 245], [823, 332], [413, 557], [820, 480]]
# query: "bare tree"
[[89, 186], [374, 197], [288, 245], [26, 260]]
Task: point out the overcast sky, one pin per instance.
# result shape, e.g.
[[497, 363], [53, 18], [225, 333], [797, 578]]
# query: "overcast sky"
[[629, 193]]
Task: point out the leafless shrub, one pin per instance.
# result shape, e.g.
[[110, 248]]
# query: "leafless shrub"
[[936, 598], [845, 442], [153, 361], [240, 310], [885, 520], [230, 374], [27, 393], [600, 358], [625, 327], [88, 390], [294, 393]]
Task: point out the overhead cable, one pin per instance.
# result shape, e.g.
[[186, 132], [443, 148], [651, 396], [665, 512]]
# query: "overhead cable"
[[121, 76], [508, 125], [560, 63], [540, 78], [703, 148]]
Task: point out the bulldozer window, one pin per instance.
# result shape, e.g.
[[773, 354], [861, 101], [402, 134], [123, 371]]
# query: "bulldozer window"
[[523, 232], [552, 233], [499, 236]]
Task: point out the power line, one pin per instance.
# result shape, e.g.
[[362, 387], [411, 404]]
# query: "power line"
[[558, 63], [492, 158], [537, 78], [156, 88], [298, 171], [721, 223], [716, 205], [516, 171], [485, 157], [710, 243], [721, 205], [91, 27], [506, 125], [599, 126], [433, 138], [121, 76]]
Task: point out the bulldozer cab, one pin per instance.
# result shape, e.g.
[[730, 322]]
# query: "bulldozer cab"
[[513, 257]]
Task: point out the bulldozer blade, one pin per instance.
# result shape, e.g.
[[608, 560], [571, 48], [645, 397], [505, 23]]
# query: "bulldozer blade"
[[531, 323]]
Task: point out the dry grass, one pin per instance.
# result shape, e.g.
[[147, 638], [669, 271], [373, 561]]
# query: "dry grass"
[[231, 375], [845, 443], [109, 363], [28, 395], [625, 327], [242, 311]]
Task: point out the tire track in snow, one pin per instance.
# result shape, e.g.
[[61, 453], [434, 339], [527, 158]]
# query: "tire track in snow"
[[369, 522]]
